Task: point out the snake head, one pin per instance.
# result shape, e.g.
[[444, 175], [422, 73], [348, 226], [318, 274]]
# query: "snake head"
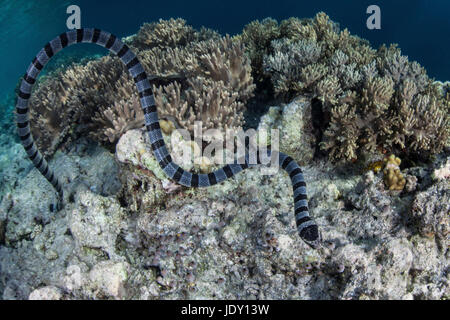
[[311, 236]]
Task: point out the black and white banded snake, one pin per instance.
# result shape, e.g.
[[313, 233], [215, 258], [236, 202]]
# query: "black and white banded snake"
[[306, 227]]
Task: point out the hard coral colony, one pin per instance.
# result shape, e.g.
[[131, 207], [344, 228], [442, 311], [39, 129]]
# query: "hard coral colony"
[[371, 100], [127, 231], [307, 229]]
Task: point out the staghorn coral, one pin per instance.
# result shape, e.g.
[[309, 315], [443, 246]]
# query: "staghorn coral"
[[288, 61], [170, 33], [215, 93], [343, 125], [198, 75], [296, 29], [206, 101], [224, 60], [372, 100], [170, 63], [64, 99]]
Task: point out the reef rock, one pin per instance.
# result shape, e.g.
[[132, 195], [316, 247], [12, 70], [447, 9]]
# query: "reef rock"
[[219, 242]]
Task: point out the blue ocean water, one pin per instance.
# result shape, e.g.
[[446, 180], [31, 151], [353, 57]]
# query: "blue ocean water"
[[420, 27]]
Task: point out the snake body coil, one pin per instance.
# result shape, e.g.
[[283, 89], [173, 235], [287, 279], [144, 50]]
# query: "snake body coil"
[[307, 229]]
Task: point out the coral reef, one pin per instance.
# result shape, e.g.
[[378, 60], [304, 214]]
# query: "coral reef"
[[216, 94], [296, 134], [121, 117], [196, 75], [257, 37], [374, 100], [144, 240], [164, 34], [430, 211], [393, 177], [170, 33], [64, 100]]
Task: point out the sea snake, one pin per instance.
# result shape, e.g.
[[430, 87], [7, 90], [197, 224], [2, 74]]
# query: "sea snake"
[[306, 227]]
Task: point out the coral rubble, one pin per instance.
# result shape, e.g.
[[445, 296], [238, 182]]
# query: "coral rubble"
[[144, 240]]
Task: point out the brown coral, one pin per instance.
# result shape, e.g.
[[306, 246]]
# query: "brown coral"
[[215, 93], [196, 75], [392, 175], [163, 34], [257, 37], [63, 100], [393, 104]]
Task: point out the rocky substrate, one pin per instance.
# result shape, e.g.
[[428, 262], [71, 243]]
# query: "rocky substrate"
[[126, 232]]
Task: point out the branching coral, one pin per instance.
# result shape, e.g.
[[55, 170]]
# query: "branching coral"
[[371, 100], [343, 125], [393, 104], [215, 93], [393, 177], [65, 99], [164, 34], [287, 63], [118, 119], [257, 37], [206, 101], [169, 63], [225, 61]]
